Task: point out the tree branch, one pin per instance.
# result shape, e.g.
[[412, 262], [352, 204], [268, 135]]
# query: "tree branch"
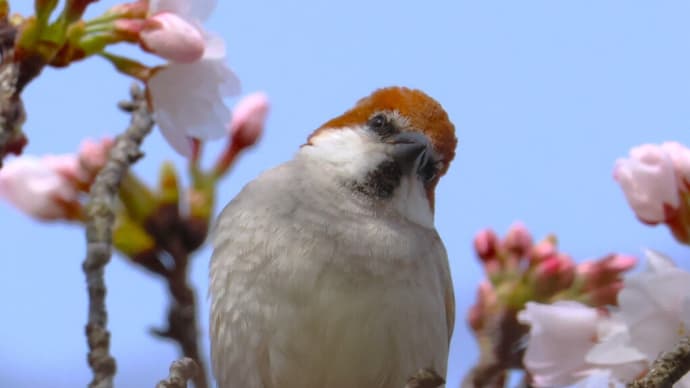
[[12, 114], [101, 216], [499, 350], [668, 368], [166, 226], [180, 372]]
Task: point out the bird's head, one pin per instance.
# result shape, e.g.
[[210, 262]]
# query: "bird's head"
[[394, 145]]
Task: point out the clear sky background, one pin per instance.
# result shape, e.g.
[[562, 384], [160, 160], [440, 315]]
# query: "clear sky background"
[[545, 95]]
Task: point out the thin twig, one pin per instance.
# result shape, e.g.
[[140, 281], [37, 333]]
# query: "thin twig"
[[181, 371], [499, 350], [101, 216], [166, 226], [670, 367]]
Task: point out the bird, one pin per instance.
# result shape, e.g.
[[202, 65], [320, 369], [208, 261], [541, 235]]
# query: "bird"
[[327, 271]]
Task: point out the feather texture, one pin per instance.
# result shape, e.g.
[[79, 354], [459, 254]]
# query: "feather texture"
[[313, 288]]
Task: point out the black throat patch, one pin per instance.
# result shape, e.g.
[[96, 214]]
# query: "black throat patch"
[[381, 182]]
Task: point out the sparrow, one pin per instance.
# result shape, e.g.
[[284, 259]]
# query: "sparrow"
[[327, 270]]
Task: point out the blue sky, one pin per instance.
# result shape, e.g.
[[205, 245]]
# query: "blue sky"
[[545, 95]]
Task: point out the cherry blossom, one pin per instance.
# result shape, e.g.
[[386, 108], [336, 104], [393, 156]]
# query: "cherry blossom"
[[680, 156], [580, 329], [486, 244], [562, 325], [168, 35], [599, 379], [653, 314], [518, 239], [187, 97], [655, 305], [649, 182], [41, 188]]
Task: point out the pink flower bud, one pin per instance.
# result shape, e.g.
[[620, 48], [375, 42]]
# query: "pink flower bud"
[[649, 182], [486, 244], [566, 272], [172, 37], [36, 187], [248, 119], [547, 269], [543, 249], [618, 263], [65, 165], [586, 267], [518, 240], [554, 274], [606, 294], [599, 273], [680, 156], [94, 154], [245, 128]]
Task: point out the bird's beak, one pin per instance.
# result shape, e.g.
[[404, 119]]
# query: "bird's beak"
[[413, 151]]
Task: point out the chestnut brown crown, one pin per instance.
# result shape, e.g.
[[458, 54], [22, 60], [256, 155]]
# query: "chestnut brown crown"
[[423, 113]]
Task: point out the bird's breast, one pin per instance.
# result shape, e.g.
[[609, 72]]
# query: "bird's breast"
[[323, 327], [308, 295]]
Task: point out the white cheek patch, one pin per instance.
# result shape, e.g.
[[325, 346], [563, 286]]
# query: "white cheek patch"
[[350, 152]]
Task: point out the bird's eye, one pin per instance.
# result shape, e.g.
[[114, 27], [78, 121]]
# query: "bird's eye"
[[380, 124]]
